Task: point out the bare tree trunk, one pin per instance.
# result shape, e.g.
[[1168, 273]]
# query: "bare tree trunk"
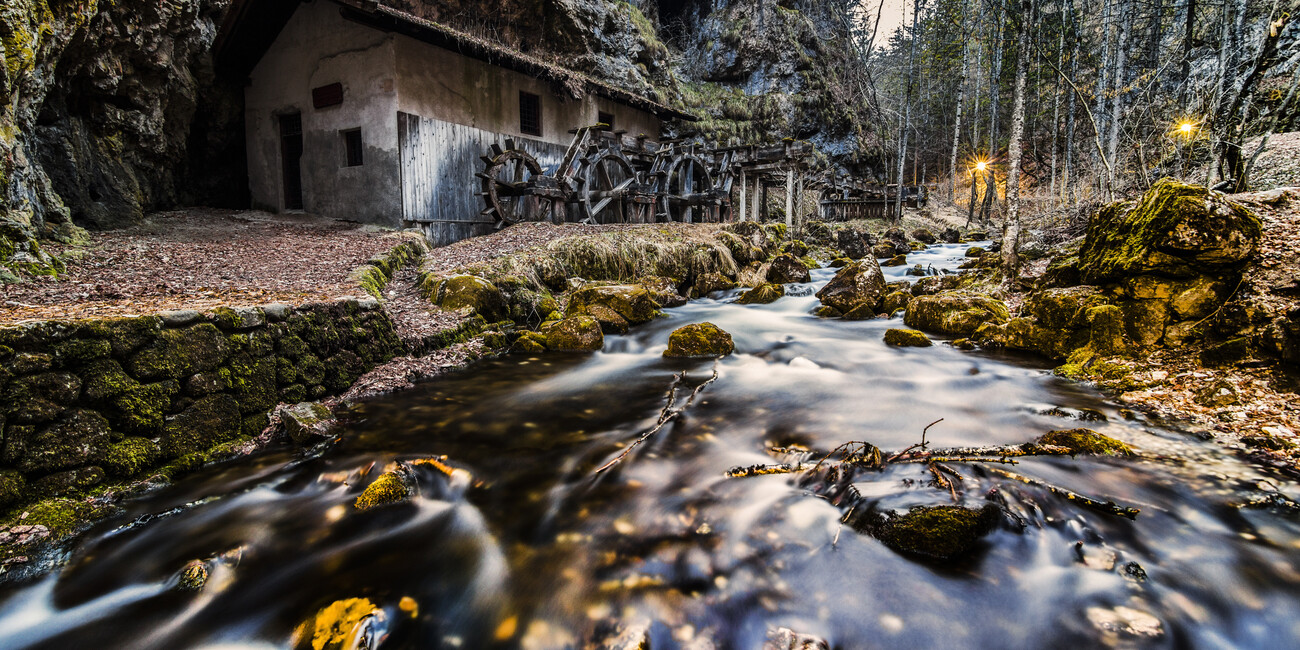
[[1244, 183], [1103, 84], [1119, 78], [995, 75], [1056, 112], [1069, 112], [1189, 31], [956, 123], [907, 114], [1011, 235]]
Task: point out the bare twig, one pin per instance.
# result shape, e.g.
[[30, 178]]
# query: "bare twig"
[[921, 445], [668, 414]]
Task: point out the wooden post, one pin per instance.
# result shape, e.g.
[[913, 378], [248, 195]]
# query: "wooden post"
[[758, 197], [743, 215], [789, 199], [799, 201]]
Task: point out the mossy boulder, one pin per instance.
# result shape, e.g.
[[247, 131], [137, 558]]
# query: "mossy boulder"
[[631, 302], [1085, 441], [855, 243], [341, 371], [897, 260], [39, 398], [253, 381], [858, 284], [883, 251], [468, 292], [178, 353], [975, 251], [707, 283], [574, 334], [943, 533], [907, 338], [762, 294], [699, 340], [205, 423], [954, 313], [1174, 230], [796, 248], [924, 236], [787, 268], [530, 343]]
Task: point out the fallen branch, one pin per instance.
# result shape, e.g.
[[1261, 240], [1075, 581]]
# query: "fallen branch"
[[920, 445], [1108, 507], [995, 451], [666, 415]]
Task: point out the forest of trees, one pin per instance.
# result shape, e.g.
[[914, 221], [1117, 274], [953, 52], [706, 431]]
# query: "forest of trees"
[[1094, 99]]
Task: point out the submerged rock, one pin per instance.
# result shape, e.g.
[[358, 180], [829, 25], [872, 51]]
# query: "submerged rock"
[[1085, 441], [954, 313], [784, 638], [575, 334], [858, 284], [391, 487], [699, 340], [349, 624], [193, 576], [907, 338], [787, 269], [935, 532], [761, 295]]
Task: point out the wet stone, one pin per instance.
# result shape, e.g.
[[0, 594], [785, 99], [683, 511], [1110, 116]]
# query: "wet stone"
[[699, 340], [180, 317], [276, 312]]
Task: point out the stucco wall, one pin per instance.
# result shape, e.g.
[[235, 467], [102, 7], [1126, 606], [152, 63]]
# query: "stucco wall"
[[317, 48]]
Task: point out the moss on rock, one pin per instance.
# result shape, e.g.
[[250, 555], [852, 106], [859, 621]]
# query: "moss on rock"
[[575, 334], [530, 343], [936, 532], [632, 302], [130, 457], [761, 295], [179, 353], [468, 292], [77, 439], [1175, 230], [907, 338], [954, 313], [207, 422], [12, 487], [391, 487], [699, 340], [1085, 441], [787, 268]]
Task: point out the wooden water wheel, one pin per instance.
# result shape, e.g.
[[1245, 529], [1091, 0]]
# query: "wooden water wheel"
[[609, 189], [686, 192], [515, 188]]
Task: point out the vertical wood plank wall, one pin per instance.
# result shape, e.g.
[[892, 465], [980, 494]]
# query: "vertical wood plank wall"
[[438, 162]]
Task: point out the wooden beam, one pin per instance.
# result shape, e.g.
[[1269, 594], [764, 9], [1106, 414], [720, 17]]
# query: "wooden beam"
[[789, 200], [743, 215]]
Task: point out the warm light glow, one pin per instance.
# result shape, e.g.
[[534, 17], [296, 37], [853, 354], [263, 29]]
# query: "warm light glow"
[[981, 166], [1186, 128]]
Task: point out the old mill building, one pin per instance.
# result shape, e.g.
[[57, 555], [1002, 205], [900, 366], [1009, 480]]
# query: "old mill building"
[[355, 110]]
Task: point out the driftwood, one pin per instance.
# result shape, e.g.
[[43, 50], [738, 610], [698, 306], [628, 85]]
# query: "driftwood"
[[668, 414], [1108, 507]]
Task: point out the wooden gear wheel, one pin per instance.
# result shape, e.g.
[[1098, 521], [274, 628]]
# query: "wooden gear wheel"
[[609, 190], [515, 188], [686, 193]]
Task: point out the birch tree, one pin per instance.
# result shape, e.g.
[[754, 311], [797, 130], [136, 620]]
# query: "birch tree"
[[1011, 235]]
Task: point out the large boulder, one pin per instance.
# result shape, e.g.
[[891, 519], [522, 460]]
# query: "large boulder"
[[854, 243], [1175, 230], [787, 268], [699, 340], [924, 236], [954, 313], [574, 334], [858, 284]]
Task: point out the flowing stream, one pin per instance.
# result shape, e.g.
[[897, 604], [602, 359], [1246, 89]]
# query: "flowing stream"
[[537, 551]]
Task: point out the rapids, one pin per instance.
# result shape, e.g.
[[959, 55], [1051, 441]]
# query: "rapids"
[[537, 551]]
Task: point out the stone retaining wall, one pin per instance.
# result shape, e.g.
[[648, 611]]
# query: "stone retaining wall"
[[84, 404]]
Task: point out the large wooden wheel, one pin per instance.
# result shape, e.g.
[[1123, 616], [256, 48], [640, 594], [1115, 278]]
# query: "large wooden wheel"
[[686, 192], [511, 183], [609, 190]]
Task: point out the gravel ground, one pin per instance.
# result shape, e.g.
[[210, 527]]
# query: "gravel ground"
[[199, 259]]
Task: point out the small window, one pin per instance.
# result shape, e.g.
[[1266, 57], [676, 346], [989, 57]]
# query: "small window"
[[606, 118], [327, 96], [353, 146], [530, 114]]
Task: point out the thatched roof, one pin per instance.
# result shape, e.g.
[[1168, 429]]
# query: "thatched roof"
[[251, 26]]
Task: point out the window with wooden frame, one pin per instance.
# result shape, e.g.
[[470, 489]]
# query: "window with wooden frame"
[[352, 148], [530, 114]]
